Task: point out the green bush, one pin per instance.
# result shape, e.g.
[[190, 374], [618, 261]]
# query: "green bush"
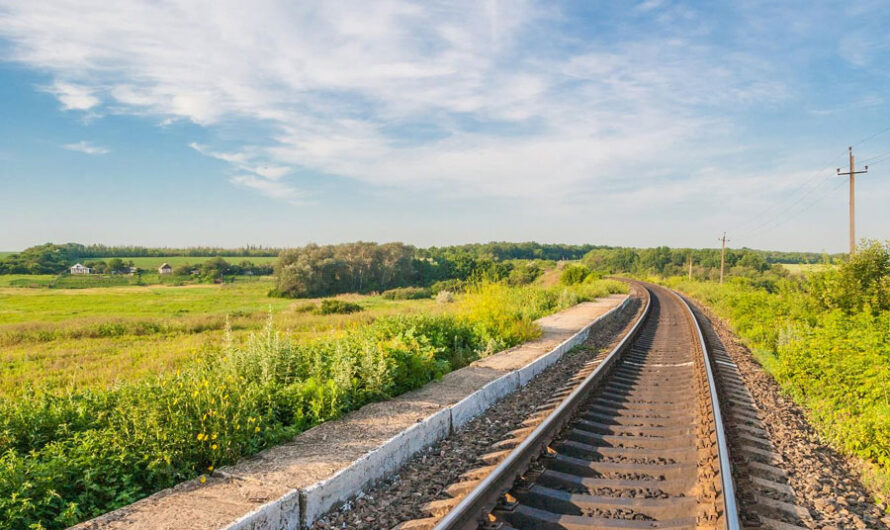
[[573, 274], [407, 293], [455, 286], [330, 306]]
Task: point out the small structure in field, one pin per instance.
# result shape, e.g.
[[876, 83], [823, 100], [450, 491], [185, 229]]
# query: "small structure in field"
[[80, 269], [165, 269]]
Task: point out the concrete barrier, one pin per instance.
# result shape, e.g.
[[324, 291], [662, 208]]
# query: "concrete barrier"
[[480, 400], [280, 514], [321, 496]]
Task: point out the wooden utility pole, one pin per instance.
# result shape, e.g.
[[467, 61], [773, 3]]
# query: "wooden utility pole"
[[690, 265], [852, 173], [722, 255]]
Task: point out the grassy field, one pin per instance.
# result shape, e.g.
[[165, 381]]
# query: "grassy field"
[[63, 337], [68, 456], [7, 280], [806, 268], [154, 263]]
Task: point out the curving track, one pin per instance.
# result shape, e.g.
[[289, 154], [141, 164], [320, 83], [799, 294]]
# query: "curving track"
[[634, 442]]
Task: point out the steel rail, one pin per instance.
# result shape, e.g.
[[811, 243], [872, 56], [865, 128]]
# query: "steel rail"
[[731, 512], [484, 497]]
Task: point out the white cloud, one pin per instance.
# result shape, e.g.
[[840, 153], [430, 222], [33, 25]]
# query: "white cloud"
[[73, 97], [85, 147], [270, 188], [332, 85]]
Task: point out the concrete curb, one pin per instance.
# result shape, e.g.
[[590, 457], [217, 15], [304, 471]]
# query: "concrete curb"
[[318, 498], [283, 513]]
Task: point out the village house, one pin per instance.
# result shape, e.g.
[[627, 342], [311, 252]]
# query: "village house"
[[165, 269], [80, 269]]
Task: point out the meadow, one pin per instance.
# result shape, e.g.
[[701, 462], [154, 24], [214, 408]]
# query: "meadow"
[[63, 338], [69, 452], [806, 268]]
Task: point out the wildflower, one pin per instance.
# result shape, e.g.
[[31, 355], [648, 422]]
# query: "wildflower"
[[214, 436], [203, 479], [257, 429], [175, 400], [210, 468], [200, 437], [214, 447]]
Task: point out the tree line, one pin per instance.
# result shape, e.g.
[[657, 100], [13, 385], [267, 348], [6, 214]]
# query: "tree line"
[[318, 270]]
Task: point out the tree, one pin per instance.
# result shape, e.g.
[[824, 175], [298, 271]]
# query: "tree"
[[116, 265], [215, 269]]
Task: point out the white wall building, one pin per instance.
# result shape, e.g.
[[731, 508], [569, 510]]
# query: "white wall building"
[[80, 269]]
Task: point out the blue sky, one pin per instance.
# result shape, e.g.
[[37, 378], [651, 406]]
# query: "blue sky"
[[280, 123]]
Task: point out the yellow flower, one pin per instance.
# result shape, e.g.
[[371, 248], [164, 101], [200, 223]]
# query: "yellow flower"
[[175, 400], [203, 479], [214, 446], [200, 437], [256, 429], [213, 437], [210, 468]]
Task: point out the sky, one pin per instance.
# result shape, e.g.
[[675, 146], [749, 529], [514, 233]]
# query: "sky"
[[658, 122]]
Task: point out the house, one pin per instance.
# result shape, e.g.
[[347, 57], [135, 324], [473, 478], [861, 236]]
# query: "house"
[[80, 269], [165, 269]]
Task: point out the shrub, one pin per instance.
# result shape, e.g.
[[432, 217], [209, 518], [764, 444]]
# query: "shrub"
[[573, 274], [406, 293], [524, 273], [455, 286], [445, 297], [330, 306]]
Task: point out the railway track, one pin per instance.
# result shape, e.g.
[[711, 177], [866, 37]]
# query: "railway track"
[[635, 440]]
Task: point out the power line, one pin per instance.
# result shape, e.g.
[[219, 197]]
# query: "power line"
[[765, 214], [764, 222], [792, 214], [867, 138]]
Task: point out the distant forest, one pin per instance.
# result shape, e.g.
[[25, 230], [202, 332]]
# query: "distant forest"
[[318, 270]]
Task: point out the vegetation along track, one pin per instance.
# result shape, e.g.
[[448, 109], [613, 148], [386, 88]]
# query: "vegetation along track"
[[635, 440]]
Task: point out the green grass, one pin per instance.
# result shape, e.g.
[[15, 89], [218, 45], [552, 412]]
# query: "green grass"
[[806, 268], [22, 280], [68, 456], [155, 262], [102, 336]]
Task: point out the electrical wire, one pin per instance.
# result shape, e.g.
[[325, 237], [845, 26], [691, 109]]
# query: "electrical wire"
[[791, 213], [769, 218], [805, 188]]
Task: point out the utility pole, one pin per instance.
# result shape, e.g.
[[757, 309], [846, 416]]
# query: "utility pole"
[[690, 265], [852, 173], [722, 254]]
